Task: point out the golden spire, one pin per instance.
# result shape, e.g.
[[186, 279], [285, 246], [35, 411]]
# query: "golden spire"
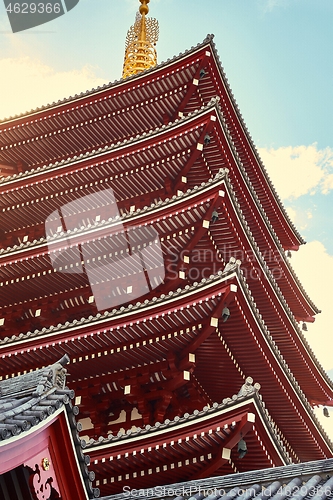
[[141, 38]]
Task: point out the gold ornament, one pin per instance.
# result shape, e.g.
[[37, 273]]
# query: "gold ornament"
[[140, 53], [46, 464]]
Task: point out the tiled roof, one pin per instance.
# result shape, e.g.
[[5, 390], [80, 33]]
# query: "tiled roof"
[[32, 398], [311, 480], [247, 391], [106, 86], [97, 153]]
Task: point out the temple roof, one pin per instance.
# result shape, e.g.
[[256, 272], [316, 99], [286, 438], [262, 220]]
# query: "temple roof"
[[115, 335], [296, 482], [100, 89], [34, 396], [135, 105], [247, 391], [194, 442], [124, 162], [159, 213], [33, 400]]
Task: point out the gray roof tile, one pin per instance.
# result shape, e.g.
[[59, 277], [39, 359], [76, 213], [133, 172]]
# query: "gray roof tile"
[[28, 399], [305, 481]]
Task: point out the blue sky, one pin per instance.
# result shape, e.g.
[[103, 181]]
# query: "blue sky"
[[277, 55]]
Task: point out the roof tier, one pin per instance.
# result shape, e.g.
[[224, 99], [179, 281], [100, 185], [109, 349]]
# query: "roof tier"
[[296, 482], [124, 109], [200, 444], [180, 157], [183, 322], [49, 296]]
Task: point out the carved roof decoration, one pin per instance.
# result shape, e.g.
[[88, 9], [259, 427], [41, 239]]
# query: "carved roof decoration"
[[31, 399], [29, 393]]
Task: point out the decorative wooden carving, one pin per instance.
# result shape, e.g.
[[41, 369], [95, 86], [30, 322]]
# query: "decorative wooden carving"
[[43, 482]]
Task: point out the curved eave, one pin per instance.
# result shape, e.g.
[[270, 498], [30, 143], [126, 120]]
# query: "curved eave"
[[282, 324], [282, 375], [264, 232], [101, 116], [171, 137], [185, 441], [85, 333], [293, 480], [68, 103], [126, 147], [269, 198], [293, 414], [141, 217]]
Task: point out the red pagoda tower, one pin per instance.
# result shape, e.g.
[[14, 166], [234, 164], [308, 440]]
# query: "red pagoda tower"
[[142, 237]]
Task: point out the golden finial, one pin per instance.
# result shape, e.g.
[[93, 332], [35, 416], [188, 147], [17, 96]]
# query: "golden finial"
[[141, 38]]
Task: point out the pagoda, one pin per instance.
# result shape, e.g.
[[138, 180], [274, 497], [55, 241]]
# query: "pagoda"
[[142, 237]]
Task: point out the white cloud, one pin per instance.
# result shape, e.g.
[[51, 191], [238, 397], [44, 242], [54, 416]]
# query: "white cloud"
[[269, 5], [314, 267], [300, 170], [328, 182], [292, 213], [300, 217], [28, 83]]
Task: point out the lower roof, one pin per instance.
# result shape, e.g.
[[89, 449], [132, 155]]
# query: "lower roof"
[[30, 404], [193, 446], [306, 480]]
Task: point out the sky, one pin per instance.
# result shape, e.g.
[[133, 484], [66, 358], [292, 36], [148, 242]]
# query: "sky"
[[277, 55]]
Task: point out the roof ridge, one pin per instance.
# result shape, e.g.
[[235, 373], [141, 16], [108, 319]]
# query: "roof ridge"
[[115, 312], [106, 86], [214, 102], [248, 391], [252, 144]]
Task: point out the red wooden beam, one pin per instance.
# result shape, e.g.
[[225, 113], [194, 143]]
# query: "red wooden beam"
[[194, 85], [223, 452], [195, 153], [229, 293], [171, 283]]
